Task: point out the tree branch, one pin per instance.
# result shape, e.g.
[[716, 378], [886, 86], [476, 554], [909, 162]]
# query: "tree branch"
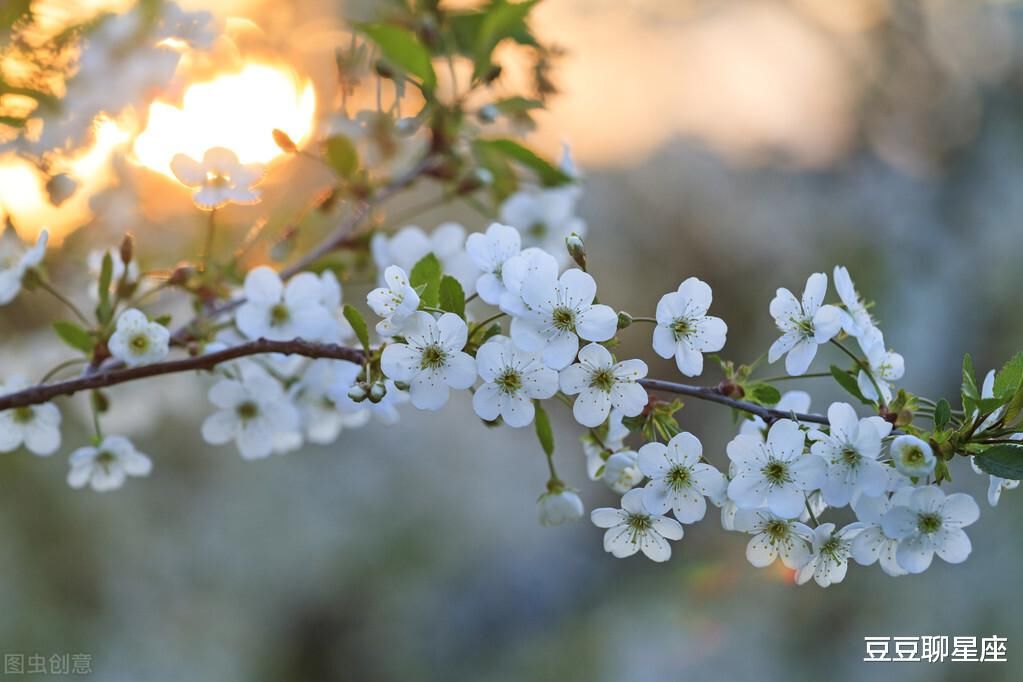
[[711, 394]]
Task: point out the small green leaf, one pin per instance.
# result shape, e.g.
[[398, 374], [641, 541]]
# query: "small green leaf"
[[501, 20], [358, 323], [1009, 376], [106, 274], [546, 172], [452, 296], [942, 414], [1014, 408], [543, 429], [342, 155], [74, 336], [426, 273], [1005, 461], [765, 394], [402, 48], [846, 381]]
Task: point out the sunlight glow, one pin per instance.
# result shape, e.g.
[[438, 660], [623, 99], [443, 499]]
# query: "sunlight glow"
[[238, 111]]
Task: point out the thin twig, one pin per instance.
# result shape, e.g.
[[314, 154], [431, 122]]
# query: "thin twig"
[[711, 394]]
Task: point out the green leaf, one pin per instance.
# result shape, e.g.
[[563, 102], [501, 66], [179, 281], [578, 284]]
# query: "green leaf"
[[1005, 461], [501, 20], [426, 273], [342, 155], [543, 429], [74, 336], [1009, 376], [452, 296], [358, 323], [846, 381], [546, 172], [969, 388], [1014, 408], [106, 274], [504, 182], [765, 394], [942, 414], [402, 48]]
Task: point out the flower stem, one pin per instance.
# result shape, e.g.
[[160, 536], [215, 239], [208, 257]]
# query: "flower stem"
[[865, 367], [47, 287], [813, 375], [211, 228]]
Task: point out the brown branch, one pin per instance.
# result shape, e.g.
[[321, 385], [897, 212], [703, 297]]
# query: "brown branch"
[[712, 394], [113, 376]]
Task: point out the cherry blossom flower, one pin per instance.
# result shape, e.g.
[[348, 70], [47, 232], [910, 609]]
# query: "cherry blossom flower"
[[678, 479], [621, 471], [886, 366], [791, 401], [137, 341], [856, 319], [280, 312], [431, 360], [512, 380], [774, 537], [829, 557], [16, 259], [804, 325], [560, 506], [912, 456], [530, 264], [396, 302], [220, 178], [633, 528], [105, 467], [602, 383], [871, 544], [930, 523], [323, 418], [776, 472], [851, 449], [490, 251], [255, 412], [37, 427], [410, 244], [545, 217], [684, 330], [560, 312]]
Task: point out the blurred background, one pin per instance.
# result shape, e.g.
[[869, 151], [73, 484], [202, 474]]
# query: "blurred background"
[[745, 142]]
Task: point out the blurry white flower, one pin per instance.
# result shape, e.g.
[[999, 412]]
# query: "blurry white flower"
[[602, 384], [530, 264], [560, 506], [804, 326], [17, 258], [410, 244], [395, 303], [255, 413], [512, 379], [489, 251], [773, 537], [545, 217], [611, 440], [886, 366], [323, 418], [872, 544], [279, 312], [684, 330], [829, 557], [220, 178], [560, 312], [791, 401], [856, 318], [678, 479], [929, 523], [137, 341], [431, 360], [633, 528], [851, 448], [37, 427], [622, 472], [912, 456], [775, 473], [105, 467]]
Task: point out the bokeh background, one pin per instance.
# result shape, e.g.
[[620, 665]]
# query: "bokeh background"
[[749, 143]]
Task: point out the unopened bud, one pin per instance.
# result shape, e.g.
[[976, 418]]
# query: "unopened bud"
[[401, 385], [624, 320], [60, 187], [357, 393], [377, 392], [487, 113], [284, 141], [492, 74], [576, 249], [127, 249], [383, 69], [181, 275], [731, 389]]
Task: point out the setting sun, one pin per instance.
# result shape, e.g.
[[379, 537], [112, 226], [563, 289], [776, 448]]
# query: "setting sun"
[[237, 111]]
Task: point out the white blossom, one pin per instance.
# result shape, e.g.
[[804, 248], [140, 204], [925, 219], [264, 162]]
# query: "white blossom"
[[545, 217], [872, 545], [996, 484], [678, 479], [622, 472], [37, 427], [490, 251], [851, 449], [530, 264], [560, 312], [776, 472], [323, 418], [17, 258], [611, 439], [255, 412], [684, 330], [886, 366], [431, 360], [930, 523], [411, 244], [559, 506], [804, 325], [791, 401], [912, 456], [633, 528], [280, 312], [512, 379], [856, 319], [220, 178], [602, 383], [106, 466], [774, 537], [396, 302], [829, 556], [137, 341]]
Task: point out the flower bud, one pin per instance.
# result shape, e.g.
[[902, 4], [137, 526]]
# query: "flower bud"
[[383, 69], [487, 113], [127, 249], [624, 320], [576, 249], [284, 141], [731, 389], [377, 392], [492, 74], [357, 393], [401, 385], [559, 505]]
